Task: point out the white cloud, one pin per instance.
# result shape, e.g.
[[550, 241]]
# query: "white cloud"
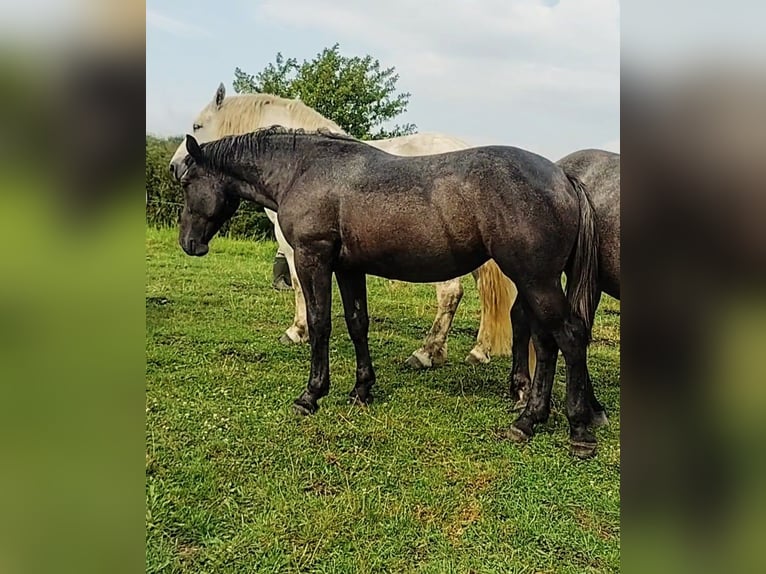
[[173, 26], [513, 71], [584, 31], [517, 72], [168, 120]]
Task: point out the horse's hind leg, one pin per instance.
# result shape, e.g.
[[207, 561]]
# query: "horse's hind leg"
[[434, 349], [537, 406], [353, 292], [520, 384], [598, 411], [523, 355], [551, 314], [315, 271]]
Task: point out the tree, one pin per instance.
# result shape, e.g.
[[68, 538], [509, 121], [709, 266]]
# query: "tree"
[[353, 92]]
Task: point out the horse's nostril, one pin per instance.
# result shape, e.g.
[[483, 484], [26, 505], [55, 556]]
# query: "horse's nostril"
[[172, 168]]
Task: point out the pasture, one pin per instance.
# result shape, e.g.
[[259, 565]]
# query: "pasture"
[[424, 480]]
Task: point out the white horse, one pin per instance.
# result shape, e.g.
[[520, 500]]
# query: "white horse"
[[246, 113]]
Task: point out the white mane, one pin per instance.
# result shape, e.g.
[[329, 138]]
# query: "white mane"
[[248, 112]]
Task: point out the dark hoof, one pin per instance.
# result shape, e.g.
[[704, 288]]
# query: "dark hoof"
[[582, 449], [518, 435], [281, 285], [600, 419], [359, 400], [304, 408]]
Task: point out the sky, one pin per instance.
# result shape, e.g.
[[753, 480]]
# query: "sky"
[[543, 75]]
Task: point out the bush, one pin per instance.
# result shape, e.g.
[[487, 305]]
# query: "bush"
[[165, 197]]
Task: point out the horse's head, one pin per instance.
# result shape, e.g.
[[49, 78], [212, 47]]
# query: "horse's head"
[[205, 129], [210, 199]]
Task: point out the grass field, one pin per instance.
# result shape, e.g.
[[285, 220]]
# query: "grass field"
[[422, 481]]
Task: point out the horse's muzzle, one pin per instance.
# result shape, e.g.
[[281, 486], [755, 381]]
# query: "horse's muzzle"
[[195, 248], [176, 169]]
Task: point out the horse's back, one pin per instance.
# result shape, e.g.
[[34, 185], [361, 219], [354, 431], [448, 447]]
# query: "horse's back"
[[487, 180], [425, 143], [598, 169], [468, 203]]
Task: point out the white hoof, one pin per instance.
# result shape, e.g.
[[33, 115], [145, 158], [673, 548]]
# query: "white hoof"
[[477, 357], [291, 336], [419, 360]]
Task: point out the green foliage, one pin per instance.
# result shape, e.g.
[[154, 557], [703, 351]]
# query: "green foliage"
[[165, 196], [423, 480], [354, 92]]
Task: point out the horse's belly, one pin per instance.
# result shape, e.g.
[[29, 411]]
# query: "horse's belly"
[[413, 265], [411, 241]]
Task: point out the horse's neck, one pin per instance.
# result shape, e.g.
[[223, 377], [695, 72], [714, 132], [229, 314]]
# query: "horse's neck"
[[277, 164], [266, 174], [258, 193], [306, 119]]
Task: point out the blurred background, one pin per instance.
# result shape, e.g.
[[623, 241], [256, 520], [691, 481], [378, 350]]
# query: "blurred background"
[[71, 285], [693, 110]]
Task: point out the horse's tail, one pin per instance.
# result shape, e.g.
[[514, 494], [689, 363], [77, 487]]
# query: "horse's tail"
[[582, 280], [497, 294]]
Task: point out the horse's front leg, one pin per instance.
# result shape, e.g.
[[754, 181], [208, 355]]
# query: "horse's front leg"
[[353, 291], [434, 349], [314, 268], [298, 331]]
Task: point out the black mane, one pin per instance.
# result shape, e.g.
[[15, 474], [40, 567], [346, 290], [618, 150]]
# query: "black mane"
[[232, 148]]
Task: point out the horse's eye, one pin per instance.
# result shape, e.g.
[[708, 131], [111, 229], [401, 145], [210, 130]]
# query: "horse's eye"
[[197, 127]]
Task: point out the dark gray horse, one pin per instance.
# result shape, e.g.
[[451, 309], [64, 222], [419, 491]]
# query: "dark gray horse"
[[349, 208], [600, 173]]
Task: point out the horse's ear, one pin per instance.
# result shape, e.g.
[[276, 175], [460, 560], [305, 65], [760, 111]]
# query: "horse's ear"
[[193, 148], [220, 94]]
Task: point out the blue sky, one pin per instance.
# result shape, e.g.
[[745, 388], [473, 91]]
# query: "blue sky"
[[537, 74]]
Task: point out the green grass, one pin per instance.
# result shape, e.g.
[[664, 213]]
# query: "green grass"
[[422, 481]]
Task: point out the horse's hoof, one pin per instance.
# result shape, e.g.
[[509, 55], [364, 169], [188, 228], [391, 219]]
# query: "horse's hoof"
[[304, 409], [286, 339], [582, 449], [359, 401], [475, 358], [281, 285], [418, 361], [600, 419], [517, 435]]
